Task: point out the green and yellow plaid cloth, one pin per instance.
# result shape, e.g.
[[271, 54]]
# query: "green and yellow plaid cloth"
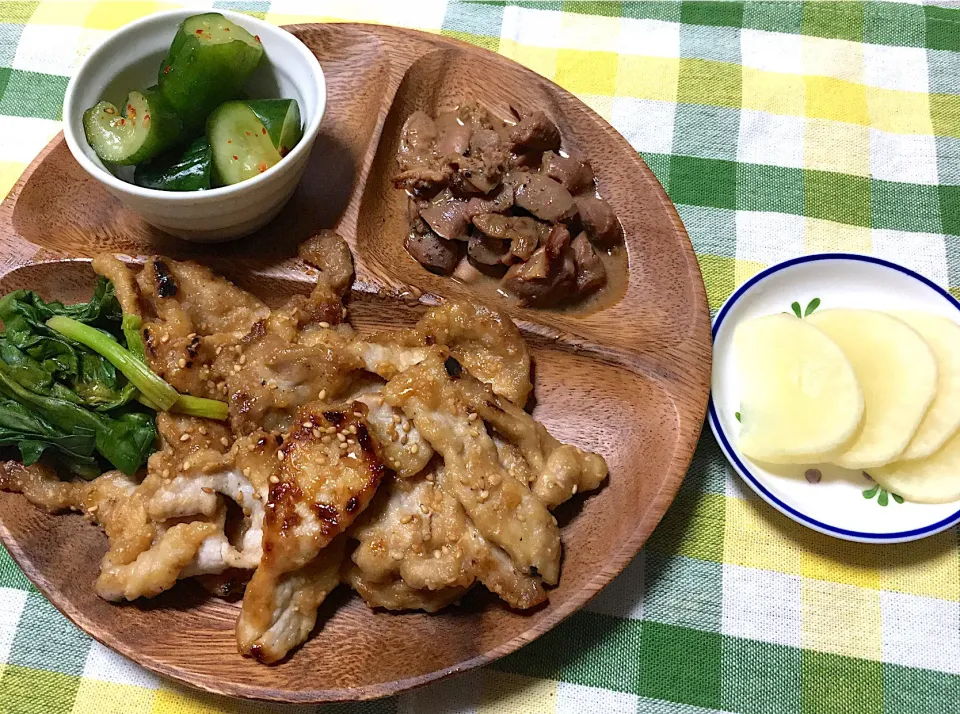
[[778, 128]]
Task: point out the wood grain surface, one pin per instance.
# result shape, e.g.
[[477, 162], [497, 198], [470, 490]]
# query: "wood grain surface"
[[629, 380]]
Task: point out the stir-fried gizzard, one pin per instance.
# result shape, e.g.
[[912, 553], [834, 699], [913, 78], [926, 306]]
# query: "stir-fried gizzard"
[[501, 198]]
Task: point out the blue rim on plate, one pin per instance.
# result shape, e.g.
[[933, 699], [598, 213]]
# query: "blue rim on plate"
[[742, 468]]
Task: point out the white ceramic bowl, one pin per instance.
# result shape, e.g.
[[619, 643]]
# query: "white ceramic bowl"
[[129, 59]]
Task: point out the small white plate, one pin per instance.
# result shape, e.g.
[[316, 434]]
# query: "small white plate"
[[844, 503]]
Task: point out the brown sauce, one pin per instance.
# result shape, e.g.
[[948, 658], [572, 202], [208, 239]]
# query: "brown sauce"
[[614, 261]]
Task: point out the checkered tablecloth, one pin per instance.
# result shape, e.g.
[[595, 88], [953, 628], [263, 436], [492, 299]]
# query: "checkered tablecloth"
[[778, 128]]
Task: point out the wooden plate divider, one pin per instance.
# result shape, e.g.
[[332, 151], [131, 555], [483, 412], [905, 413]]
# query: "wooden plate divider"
[[629, 380]]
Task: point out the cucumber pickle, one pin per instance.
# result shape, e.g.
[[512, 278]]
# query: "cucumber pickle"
[[239, 143], [143, 128], [281, 117], [187, 170], [195, 129], [209, 61]]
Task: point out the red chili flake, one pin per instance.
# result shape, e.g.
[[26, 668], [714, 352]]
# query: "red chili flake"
[[199, 32], [166, 70], [122, 122], [284, 151], [146, 118], [131, 112], [248, 133], [235, 157], [256, 37], [264, 130], [229, 141], [263, 166]]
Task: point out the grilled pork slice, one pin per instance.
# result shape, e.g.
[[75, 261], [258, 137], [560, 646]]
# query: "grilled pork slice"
[[502, 508], [328, 470]]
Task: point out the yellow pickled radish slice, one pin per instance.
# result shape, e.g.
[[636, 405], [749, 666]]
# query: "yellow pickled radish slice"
[[800, 401], [897, 372], [943, 418], [934, 479]]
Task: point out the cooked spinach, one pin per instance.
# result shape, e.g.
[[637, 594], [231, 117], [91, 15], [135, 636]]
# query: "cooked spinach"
[[87, 374], [21, 427], [59, 397]]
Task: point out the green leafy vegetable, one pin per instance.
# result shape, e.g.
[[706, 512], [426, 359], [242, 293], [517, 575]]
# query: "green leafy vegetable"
[[71, 377], [60, 398], [32, 374], [200, 407], [194, 406], [139, 374], [102, 310], [796, 309], [811, 306], [124, 439], [20, 427], [131, 332], [91, 378], [128, 440]]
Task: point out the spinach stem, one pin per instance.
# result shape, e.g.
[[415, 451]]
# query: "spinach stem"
[[131, 330], [200, 407], [193, 406], [150, 385]]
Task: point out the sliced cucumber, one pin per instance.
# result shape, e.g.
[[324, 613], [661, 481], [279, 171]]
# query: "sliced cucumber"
[[239, 144], [208, 63], [281, 117], [143, 128], [185, 170]]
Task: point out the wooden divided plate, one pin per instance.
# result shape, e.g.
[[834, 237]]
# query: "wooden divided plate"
[[628, 379]]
